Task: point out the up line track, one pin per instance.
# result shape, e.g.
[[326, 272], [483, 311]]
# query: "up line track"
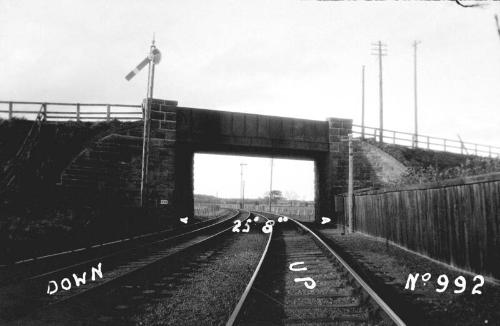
[[394, 317], [274, 296]]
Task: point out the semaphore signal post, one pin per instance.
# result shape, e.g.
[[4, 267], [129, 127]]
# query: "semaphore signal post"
[[152, 59]]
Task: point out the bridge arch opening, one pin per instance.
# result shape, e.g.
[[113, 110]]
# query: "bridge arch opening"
[[240, 181]]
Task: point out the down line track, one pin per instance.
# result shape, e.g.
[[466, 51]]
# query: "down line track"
[[29, 267], [116, 267]]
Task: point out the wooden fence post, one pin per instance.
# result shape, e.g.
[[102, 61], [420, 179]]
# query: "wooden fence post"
[[10, 110], [78, 112], [394, 137], [44, 112], [108, 113], [444, 144], [427, 142]]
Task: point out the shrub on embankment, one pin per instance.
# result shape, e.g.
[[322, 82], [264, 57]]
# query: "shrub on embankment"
[[471, 167], [34, 217]]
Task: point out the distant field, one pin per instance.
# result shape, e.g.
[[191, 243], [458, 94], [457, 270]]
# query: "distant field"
[[303, 213]]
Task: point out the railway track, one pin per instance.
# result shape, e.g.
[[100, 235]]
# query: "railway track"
[[167, 284], [302, 281], [30, 267], [117, 267], [280, 291]]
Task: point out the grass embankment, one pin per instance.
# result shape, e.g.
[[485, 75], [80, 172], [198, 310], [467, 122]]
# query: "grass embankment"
[[55, 146], [429, 166], [33, 220], [212, 291]]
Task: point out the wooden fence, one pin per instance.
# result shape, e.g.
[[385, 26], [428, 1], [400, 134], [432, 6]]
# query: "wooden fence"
[[456, 221], [426, 142], [70, 111]]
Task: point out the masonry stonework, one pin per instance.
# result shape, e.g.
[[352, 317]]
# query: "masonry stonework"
[[332, 170], [162, 156], [108, 173]]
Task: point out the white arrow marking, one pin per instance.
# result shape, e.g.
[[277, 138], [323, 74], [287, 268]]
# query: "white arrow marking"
[[325, 220]]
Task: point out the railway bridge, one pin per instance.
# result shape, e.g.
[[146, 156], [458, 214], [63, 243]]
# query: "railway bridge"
[[179, 132]]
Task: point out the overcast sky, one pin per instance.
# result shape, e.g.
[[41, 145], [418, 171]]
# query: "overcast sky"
[[288, 58]]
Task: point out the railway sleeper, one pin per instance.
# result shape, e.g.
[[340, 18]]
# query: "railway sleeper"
[[334, 317]]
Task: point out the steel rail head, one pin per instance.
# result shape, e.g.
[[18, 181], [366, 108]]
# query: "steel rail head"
[[125, 250], [135, 270], [373, 295], [233, 214], [234, 315]]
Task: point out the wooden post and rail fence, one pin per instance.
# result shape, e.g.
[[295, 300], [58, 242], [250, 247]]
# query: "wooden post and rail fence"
[[454, 221], [425, 142], [70, 111], [57, 111]]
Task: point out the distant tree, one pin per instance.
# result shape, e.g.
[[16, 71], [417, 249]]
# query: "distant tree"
[[276, 195]]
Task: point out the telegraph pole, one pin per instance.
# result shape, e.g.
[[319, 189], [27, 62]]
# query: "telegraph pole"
[[350, 183], [381, 50], [415, 140], [271, 186], [363, 103], [242, 186]]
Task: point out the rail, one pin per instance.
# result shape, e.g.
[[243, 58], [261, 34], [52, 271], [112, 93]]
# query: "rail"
[[239, 305], [59, 111], [426, 142], [377, 303], [147, 236], [372, 294], [153, 254]]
